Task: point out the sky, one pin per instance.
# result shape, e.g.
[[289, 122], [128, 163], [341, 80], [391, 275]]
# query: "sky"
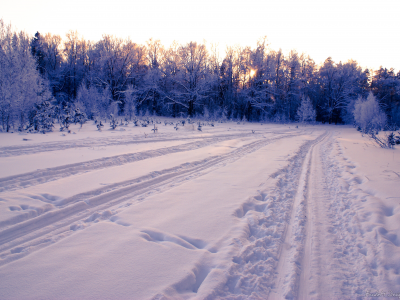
[[363, 30]]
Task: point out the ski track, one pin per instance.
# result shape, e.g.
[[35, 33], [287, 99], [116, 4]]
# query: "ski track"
[[36, 229], [306, 238], [268, 215], [50, 174], [83, 143], [355, 249], [106, 141]]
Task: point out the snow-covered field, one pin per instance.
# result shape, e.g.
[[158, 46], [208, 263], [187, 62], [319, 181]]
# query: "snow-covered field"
[[299, 213]]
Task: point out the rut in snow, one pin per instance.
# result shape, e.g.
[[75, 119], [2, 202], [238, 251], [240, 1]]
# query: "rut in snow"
[[253, 270], [346, 253], [25, 232], [105, 141], [51, 174], [309, 236]]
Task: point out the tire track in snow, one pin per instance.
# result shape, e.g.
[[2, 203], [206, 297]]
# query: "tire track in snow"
[[51, 174], [84, 205]]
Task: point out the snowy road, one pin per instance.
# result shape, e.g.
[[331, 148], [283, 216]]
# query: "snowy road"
[[284, 212]]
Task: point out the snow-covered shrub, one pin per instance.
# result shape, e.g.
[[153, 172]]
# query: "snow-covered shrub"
[[94, 102], [113, 109], [66, 118], [41, 118], [90, 102], [306, 111], [393, 140], [368, 115], [130, 103], [113, 122], [99, 125], [79, 116]]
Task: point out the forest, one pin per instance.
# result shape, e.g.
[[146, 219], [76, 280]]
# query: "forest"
[[45, 78]]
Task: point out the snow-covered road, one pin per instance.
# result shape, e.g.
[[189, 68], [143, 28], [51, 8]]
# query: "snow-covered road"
[[237, 211]]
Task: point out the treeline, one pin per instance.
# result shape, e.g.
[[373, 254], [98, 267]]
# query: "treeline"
[[118, 76]]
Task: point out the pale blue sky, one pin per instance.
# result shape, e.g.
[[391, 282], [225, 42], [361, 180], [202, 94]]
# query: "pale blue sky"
[[366, 31]]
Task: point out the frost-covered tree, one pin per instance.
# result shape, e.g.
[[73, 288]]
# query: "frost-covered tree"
[[66, 117], [306, 111], [119, 63], [38, 53], [147, 94], [90, 101], [182, 80], [385, 85], [368, 116], [190, 85], [340, 83], [42, 117], [21, 86], [130, 102], [75, 58], [94, 102]]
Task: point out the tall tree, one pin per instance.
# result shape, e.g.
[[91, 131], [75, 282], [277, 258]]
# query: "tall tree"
[[386, 87], [75, 57], [21, 86]]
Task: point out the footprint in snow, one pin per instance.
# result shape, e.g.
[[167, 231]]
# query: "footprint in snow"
[[117, 220], [156, 236]]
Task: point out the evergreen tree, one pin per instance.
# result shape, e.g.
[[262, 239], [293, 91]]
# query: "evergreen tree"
[[38, 54], [42, 117]]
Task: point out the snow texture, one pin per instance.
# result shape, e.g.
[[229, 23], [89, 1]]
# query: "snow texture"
[[234, 211]]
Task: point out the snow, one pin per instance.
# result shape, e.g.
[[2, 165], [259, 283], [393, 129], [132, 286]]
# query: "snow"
[[299, 213]]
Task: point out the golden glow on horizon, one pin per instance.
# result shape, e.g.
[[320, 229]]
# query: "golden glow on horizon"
[[308, 26], [252, 73]]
